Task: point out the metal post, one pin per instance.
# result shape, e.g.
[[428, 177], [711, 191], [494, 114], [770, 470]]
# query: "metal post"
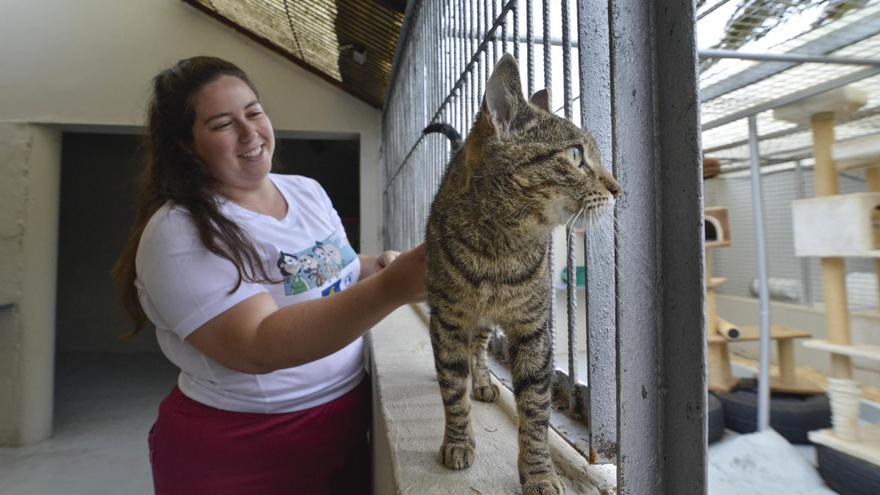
[[763, 295], [595, 90], [659, 248]]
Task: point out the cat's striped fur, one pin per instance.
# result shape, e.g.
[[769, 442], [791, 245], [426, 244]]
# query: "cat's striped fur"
[[520, 172]]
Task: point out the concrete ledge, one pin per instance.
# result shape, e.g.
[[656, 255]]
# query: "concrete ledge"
[[408, 426]]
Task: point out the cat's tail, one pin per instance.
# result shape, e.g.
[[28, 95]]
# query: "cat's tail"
[[448, 131]]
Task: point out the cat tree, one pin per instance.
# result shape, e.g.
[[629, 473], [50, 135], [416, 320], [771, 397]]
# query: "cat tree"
[[833, 226], [720, 332]]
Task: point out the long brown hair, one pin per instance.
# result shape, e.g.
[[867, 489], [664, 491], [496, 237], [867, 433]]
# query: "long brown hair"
[[173, 172]]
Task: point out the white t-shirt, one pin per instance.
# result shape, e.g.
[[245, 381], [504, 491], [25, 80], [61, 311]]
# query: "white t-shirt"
[[182, 285]]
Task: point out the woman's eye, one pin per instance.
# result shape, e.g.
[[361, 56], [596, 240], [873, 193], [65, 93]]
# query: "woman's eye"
[[254, 114], [223, 125], [575, 155]]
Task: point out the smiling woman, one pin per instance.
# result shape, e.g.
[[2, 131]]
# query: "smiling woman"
[[256, 295]]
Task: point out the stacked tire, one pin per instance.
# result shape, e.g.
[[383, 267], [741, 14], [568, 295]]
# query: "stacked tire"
[[791, 415]]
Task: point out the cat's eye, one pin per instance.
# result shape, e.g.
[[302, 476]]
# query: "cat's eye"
[[576, 155]]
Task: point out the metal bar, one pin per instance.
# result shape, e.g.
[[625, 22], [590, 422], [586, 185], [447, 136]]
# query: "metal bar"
[[711, 9], [571, 286], [797, 58], [763, 295], [566, 61], [571, 299], [503, 34], [856, 31], [530, 47], [545, 32], [659, 244], [551, 249], [516, 30], [599, 256], [793, 97]]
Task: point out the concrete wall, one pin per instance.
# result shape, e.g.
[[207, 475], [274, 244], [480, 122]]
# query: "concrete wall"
[[29, 161], [87, 65]]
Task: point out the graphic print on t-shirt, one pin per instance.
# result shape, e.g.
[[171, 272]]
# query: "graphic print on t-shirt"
[[316, 266]]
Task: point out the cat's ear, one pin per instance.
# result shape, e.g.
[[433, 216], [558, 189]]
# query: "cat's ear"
[[541, 99], [504, 95]]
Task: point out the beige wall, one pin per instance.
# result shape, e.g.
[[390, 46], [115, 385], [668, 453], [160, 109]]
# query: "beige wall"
[[90, 62]]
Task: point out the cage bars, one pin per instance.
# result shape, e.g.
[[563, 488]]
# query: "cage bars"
[[644, 401]]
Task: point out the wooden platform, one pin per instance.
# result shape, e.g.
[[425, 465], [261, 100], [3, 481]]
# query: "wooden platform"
[[722, 380], [866, 449], [866, 351], [753, 333]]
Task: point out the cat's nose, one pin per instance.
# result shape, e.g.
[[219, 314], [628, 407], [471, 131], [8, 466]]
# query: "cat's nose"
[[613, 187]]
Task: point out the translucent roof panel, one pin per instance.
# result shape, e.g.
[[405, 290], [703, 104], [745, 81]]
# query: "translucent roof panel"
[[735, 87]]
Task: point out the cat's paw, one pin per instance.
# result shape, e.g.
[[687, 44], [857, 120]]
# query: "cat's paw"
[[457, 455], [487, 393], [543, 485]]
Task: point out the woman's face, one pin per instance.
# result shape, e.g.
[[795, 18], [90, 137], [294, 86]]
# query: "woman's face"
[[231, 133]]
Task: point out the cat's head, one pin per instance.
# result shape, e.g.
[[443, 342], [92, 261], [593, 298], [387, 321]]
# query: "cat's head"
[[547, 163]]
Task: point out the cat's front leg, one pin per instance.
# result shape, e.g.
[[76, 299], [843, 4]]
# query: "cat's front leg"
[[449, 338], [529, 340], [483, 389]]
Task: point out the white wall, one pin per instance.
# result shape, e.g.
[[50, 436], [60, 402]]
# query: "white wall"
[[90, 62]]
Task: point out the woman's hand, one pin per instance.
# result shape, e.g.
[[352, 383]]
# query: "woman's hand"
[[405, 275], [371, 265]]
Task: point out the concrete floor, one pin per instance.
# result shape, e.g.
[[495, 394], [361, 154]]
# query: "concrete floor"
[[105, 405]]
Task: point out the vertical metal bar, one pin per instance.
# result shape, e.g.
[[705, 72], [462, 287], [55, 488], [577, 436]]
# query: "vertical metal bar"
[[761, 259], [595, 90], [659, 248], [472, 72], [546, 47], [515, 14], [551, 251], [503, 31], [480, 59], [569, 230], [530, 47], [566, 61]]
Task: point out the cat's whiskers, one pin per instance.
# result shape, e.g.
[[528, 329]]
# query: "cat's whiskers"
[[519, 216]]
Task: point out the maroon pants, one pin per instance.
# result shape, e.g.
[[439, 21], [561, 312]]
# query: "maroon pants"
[[196, 449]]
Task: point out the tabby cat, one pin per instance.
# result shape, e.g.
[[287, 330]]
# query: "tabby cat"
[[520, 172]]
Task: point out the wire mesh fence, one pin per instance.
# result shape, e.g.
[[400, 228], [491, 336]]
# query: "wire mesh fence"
[[792, 279]]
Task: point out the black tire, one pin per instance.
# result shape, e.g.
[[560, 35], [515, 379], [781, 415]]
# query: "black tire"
[[716, 418], [792, 416], [845, 474]]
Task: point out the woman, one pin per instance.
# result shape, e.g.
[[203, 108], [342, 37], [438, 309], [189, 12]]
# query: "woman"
[[231, 265]]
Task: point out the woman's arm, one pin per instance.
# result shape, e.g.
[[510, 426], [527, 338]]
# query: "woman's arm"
[[255, 336]]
